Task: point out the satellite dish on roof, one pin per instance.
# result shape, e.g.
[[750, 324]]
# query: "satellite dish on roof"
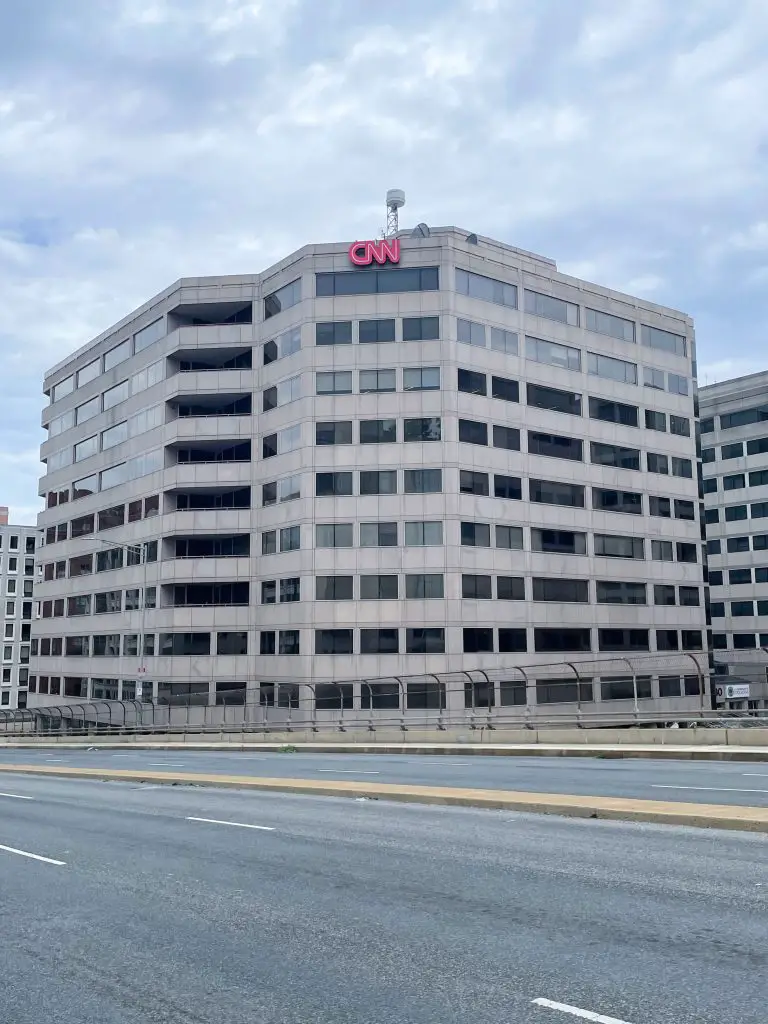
[[420, 231], [472, 239]]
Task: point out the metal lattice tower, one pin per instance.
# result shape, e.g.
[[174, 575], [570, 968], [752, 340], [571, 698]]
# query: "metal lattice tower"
[[395, 199]]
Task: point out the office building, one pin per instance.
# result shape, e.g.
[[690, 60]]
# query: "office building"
[[421, 455], [734, 442], [17, 578]]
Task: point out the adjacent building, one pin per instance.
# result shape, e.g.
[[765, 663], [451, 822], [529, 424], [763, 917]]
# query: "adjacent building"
[[734, 439], [381, 460], [17, 578]]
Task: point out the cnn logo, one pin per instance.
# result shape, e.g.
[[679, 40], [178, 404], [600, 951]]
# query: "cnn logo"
[[362, 254]]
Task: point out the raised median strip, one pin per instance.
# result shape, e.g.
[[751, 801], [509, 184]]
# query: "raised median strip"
[[750, 819]]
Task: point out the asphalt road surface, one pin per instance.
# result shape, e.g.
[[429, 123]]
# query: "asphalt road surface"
[[157, 905], [710, 782]]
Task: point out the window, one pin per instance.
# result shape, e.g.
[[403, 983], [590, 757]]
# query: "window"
[[373, 282], [554, 399], [424, 641], [80, 527], [657, 463], [470, 333], [552, 308], [506, 437], [424, 429], [332, 484], [476, 587], [742, 609], [377, 381], [378, 588], [110, 559], [625, 687], [716, 577], [710, 485], [559, 542], [661, 551], [283, 345], [607, 500], [620, 592], [478, 640], [612, 412], [655, 420], [378, 535], [554, 640], [676, 384], [548, 352], [334, 535], [685, 509], [622, 639], [686, 552], [117, 394], [267, 642], [476, 535], [424, 586], [707, 456], [738, 576], [285, 297], [611, 546], [661, 507], [560, 590], [290, 590], [757, 447], [682, 467], [378, 481], [504, 341], [371, 332], [510, 537], [734, 545], [84, 449], [653, 378], [473, 483], [612, 369], [107, 646], [379, 641], [486, 288], [691, 639], [711, 515], [423, 481], [284, 393], [759, 510], [334, 588], [111, 517], [734, 482], [421, 328], [550, 492], [423, 534], [88, 410], [283, 441], [510, 588], [473, 432], [333, 641], [612, 326], [334, 382], [663, 594], [471, 382], [421, 378], [109, 601], [339, 333], [185, 644], [506, 389], [761, 576], [735, 513], [654, 337], [269, 592], [63, 388], [730, 451], [114, 435], [669, 686], [614, 455], [290, 538], [713, 547], [555, 446], [679, 425], [742, 641], [507, 487], [512, 641], [333, 432]]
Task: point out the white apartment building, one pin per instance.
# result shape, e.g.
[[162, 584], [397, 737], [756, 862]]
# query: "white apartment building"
[[372, 462], [17, 578], [734, 440]]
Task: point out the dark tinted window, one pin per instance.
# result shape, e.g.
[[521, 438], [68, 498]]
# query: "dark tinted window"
[[617, 501], [471, 382], [555, 446], [473, 432], [560, 590], [613, 412], [554, 399], [554, 640], [507, 486], [549, 492], [372, 331], [421, 328], [614, 455], [339, 333], [506, 437], [371, 282], [507, 390]]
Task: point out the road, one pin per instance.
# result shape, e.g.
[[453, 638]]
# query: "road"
[[712, 782], [362, 912]]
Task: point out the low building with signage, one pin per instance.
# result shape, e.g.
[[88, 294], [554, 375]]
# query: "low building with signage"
[[428, 454], [734, 442]]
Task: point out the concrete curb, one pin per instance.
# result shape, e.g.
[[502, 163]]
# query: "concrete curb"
[[603, 751], [747, 819]]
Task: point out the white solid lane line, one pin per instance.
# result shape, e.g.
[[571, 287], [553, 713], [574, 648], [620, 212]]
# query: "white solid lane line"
[[16, 796], [755, 775], [165, 764], [451, 764], [34, 856], [236, 824], [575, 1011], [711, 789], [346, 771], [54, 760]]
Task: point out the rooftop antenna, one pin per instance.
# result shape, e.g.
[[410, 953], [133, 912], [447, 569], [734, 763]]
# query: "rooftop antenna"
[[395, 199]]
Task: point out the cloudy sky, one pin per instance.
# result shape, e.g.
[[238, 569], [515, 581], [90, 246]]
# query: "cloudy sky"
[[146, 140]]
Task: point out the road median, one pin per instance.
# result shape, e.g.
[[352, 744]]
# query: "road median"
[[749, 819]]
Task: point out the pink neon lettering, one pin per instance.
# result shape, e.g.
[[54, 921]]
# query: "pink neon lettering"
[[364, 253]]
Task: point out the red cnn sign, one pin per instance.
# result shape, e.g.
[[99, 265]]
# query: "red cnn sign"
[[362, 254]]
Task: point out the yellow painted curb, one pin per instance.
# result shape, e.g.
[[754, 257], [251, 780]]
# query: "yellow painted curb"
[[749, 819]]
